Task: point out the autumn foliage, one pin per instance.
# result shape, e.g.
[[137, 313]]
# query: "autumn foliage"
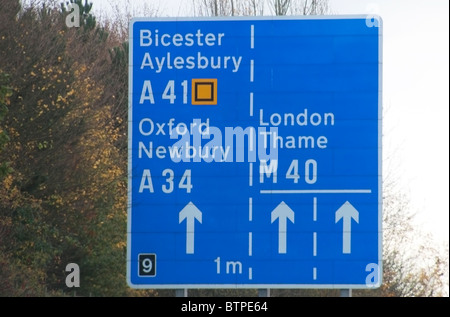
[[62, 154]]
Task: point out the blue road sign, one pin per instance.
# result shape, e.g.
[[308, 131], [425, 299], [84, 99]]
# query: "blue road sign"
[[255, 153]]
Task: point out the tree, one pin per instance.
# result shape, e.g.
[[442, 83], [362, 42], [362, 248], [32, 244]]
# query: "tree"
[[122, 11], [5, 274], [412, 266], [65, 200], [280, 7], [299, 7], [257, 7], [215, 8], [5, 93]]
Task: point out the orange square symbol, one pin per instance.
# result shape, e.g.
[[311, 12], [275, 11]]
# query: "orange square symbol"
[[204, 91]]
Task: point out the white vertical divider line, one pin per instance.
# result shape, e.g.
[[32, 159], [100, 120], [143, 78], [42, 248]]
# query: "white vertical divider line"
[[251, 104], [250, 180], [252, 36], [315, 209], [252, 46], [250, 141], [252, 65], [250, 243], [314, 236], [314, 243]]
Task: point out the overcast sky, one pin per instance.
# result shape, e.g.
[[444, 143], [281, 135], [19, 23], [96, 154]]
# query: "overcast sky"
[[415, 96], [415, 100]]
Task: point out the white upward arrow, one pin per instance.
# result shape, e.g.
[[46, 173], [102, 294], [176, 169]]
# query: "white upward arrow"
[[347, 212], [190, 212], [282, 212]]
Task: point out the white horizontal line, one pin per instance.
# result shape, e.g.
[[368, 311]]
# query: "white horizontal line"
[[316, 191]]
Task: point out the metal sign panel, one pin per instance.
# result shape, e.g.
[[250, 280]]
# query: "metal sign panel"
[[255, 153]]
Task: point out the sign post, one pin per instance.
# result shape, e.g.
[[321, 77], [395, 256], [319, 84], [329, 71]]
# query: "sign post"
[[255, 153]]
